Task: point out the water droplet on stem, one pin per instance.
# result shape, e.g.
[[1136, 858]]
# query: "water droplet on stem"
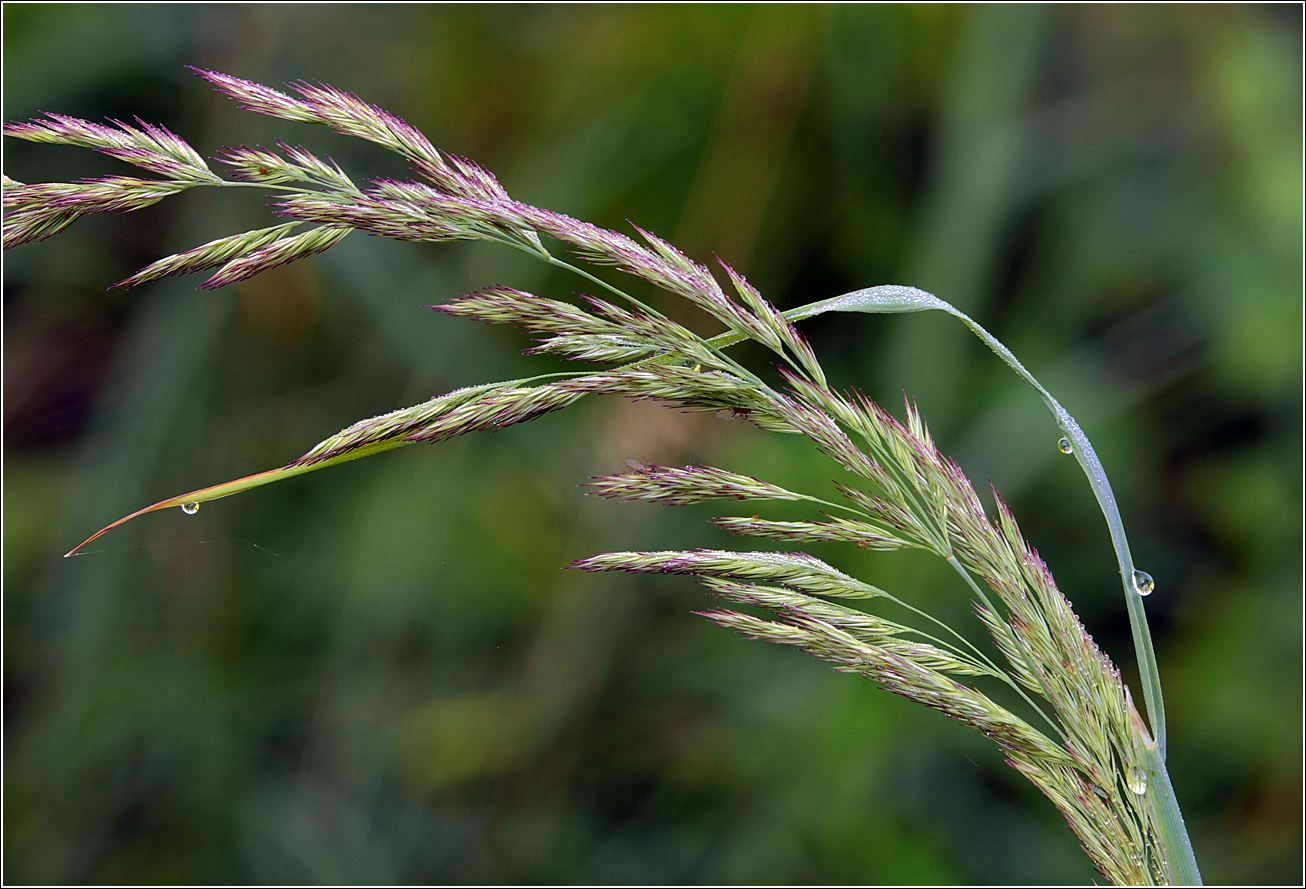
[[1065, 447], [190, 508], [1143, 583], [1137, 780]]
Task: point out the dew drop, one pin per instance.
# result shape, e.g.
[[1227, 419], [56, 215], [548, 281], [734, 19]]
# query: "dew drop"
[[1137, 780], [1143, 583], [1065, 447], [190, 508]]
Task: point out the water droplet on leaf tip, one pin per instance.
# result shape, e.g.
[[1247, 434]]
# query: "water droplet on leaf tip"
[[1137, 781], [1065, 447], [190, 508], [1143, 583]]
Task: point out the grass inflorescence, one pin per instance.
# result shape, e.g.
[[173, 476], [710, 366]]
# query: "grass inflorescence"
[[1080, 739]]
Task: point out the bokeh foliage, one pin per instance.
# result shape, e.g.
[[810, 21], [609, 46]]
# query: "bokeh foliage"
[[379, 673]]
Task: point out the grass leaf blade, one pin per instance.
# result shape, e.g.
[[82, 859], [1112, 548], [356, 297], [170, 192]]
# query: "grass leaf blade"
[[894, 298]]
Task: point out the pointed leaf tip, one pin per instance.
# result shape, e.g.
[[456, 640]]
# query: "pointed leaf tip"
[[203, 495], [107, 528]]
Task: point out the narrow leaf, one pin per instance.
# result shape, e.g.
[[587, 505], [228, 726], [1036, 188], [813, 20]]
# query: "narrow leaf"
[[893, 298], [469, 409]]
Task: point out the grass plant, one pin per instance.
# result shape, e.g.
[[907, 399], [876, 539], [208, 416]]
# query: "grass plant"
[[1043, 692]]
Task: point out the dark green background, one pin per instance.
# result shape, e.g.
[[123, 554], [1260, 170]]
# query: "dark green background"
[[379, 673]]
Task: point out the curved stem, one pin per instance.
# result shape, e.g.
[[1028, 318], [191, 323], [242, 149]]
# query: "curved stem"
[[893, 299]]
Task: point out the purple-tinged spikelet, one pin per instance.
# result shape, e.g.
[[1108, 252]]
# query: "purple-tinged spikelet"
[[27, 222], [152, 147], [210, 255], [375, 216], [298, 165], [259, 98], [763, 326], [798, 571], [349, 115], [279, 252], [829, 438], [692, 389], [575, 333], [470, 409], [834, 530], [769, 326], [497, 304], [682, 485], [782, 603], [109, 194], [497, 409]]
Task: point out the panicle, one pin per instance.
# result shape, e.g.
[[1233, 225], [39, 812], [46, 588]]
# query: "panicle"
[[898, 514], [770, 327], [682, 485], [867, 627], [26, 221], [374, 215], [826, 434], [109, 194], [607, 348], [901, 673], [916, 423], [259, 98], [151, 147], [277, 252], [349, 115], [686, 387], [918, 498], [837, 530], [297, 165], [797, 571], [37, 211], [27, 226], [574, 333], [497, 304], [658, 263], [471, 409], [210, 255], [674, 339], [1010, 646]]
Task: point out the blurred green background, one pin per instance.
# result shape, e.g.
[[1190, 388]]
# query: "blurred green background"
[[379, 673]]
